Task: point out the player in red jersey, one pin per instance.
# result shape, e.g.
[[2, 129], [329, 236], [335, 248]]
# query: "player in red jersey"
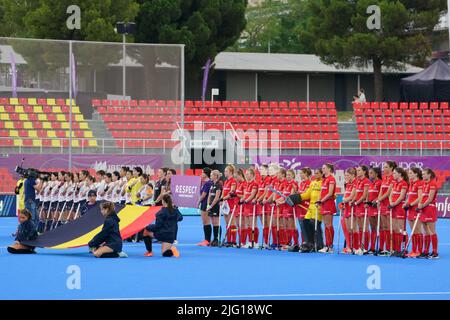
[[383, 203], [240, 187], [328, 206], [414, 197], [251, 231], [362, 185], [396, 202], [290, 232], [300, 211], [429, 213], [372, 210], [279, 185], [271, 207], [262, 209], [229, 195], [350, 190]]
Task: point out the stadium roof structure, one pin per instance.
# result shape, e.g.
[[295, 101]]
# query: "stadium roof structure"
[[276, 62]]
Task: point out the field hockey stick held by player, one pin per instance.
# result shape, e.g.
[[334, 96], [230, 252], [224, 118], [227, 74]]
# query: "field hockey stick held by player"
[[315, 229], [377, 248], [240, 226], [228, 227], [352, 211], [391, 231], [412, 234], [339, 230], [270, 226], [263, 225], [404, 234], [219, 236], [253, 226], [363, 240]]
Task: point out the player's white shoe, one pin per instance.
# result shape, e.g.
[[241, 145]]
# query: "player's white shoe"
[[324, 250]]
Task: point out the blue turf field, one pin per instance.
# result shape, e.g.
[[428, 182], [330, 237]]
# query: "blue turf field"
[[219, 273]]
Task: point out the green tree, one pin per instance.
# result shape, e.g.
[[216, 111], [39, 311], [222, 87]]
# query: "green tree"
[[46, 19], [206, 27], [337, 32], [274, 25]]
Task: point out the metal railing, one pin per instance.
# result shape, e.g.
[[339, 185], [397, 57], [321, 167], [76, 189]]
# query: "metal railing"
[[283, 146]]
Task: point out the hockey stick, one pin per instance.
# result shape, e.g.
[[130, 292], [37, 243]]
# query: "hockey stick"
[[263, 224], [352, 212], [315, 229], [240, 226], [391, 231], [363, 240], [270, 225], [339, 230], [253, 226], [412, 234], [228, 227], [377, 248]]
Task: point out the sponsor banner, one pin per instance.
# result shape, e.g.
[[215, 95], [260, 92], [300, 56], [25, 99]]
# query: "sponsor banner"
[[185, 190], [8, 207], [443, 206], [42, 162]]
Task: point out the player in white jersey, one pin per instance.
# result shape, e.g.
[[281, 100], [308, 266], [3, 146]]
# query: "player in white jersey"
[[145, 194], [114, 188]]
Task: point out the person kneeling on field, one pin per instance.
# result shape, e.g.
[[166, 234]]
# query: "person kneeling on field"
[[25, 232], [164, 229], [108, 242]]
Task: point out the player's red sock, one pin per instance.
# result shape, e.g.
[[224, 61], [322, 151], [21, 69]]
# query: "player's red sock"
[[249, 234], [266, 235], [360, 235], [229, 234], [434, 241], [256, 234], [331, 235], [373, 240], [388, 240], [327, 237], [420, 243], [356, 243], [243, 236], [284, 237], [295, 232], [426, 249], [347, 238], [398, 242], [413, 243], [274, 235], [366, 240], [382, 240]]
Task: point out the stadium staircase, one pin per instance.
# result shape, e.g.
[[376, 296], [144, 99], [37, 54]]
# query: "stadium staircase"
[[349, 136]]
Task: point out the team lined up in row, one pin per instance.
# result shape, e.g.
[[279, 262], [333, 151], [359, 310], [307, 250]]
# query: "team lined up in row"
[[374, 210], [65, 196]]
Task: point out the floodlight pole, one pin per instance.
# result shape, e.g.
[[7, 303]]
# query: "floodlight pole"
[[124, 75], [182, 107], [70, 105], [448, 22]]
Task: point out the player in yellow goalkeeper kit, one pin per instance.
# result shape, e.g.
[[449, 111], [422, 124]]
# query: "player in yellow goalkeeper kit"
[[313, 239]]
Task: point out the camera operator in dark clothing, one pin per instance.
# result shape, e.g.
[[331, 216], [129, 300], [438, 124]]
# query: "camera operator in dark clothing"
[[30, 187]]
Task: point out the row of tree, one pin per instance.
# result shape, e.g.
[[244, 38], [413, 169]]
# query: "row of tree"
[[206, 27], [336, 30]]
